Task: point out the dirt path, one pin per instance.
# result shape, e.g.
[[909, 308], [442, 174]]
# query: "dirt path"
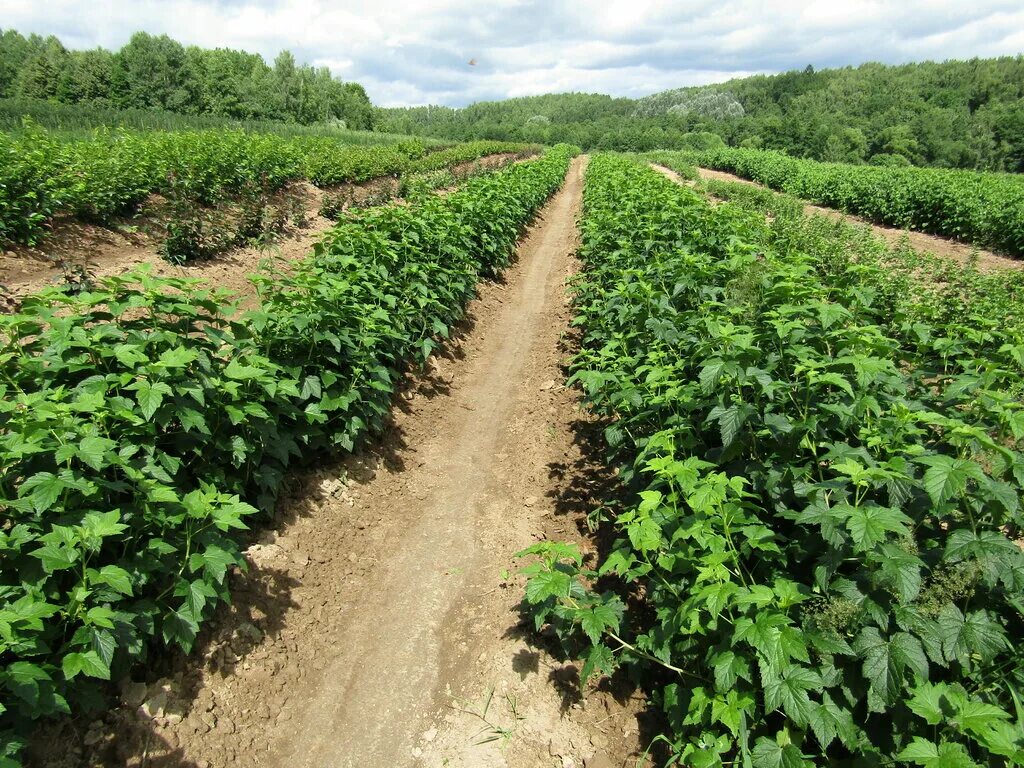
[[919, 241], [379, 626], [400, 655], [671, 175]]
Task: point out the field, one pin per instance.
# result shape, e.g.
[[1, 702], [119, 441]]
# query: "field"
[[747, 494]]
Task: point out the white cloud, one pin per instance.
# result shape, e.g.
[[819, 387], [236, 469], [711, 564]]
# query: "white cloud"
[[417, 52]]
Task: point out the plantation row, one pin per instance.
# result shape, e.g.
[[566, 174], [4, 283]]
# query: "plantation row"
[[141, 426], [986, 209], [816, 567], [112, 173]]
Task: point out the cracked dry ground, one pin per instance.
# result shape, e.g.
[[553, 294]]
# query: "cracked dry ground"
[[378, 625]]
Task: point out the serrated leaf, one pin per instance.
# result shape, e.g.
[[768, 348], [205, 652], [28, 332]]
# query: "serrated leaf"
[[644, 534], [87, 663], [947, 477], [901, 571], [214, 561], [770, 754], [926, 702], [180, 627], [886, 663], [240, 372], [92, 450], [829, 721], [729, 668], [597, 618], [177, 357], [710, 373], [117, 578], [44, 489], [975, 633], [547, 584], [150, 396], [600, 659], [919, 751], [868, 525]]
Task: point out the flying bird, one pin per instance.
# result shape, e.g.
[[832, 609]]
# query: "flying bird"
[[472, 62]]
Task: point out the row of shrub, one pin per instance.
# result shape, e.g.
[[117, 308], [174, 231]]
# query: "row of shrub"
[[142, 424], [113, 172], [986, 209], [815, 560]]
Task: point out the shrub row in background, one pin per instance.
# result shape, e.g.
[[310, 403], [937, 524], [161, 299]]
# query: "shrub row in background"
[[141, 426], [825, 481], [113, 172], [986, 209]]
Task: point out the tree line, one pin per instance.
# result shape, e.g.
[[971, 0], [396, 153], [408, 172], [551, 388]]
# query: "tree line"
[[156, 72], [954, 114]]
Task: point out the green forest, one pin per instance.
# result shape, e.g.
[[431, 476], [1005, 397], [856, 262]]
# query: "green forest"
[[156, 72], [955, 114]]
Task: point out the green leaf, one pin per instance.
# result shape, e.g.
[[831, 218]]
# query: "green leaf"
[[130, 355], [197, 594], [192, 419], [149, 396], [600, 659], [116, 577], [919, 751], [975, 633], [926, 702], [180, 627], [790, 692], [886, 663], [55, 558], [214, 561], [547, 584], [92, 450], [868, 525], [596, 619], [103, 524], [977, 716], [729, 668], [710, 373], [902, 571], [947, 477], [835, 380], [770, 754], [104, 644], [644, 534], [731, 710], [945, 755], [87, 663], [45, 489], [177, 357], [829, 721], [238, 371], [730, 421]]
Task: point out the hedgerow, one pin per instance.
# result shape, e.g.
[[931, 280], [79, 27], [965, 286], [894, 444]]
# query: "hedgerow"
[[816, 565], [986, 209], [112, 173]]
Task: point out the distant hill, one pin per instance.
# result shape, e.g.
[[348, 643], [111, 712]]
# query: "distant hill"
[[964, 114]]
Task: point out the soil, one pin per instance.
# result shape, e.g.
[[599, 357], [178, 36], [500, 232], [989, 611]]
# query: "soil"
[[378, 624], [105, 251], [964, 253]]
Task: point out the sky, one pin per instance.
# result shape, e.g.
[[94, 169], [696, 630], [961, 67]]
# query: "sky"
[[456, 52]]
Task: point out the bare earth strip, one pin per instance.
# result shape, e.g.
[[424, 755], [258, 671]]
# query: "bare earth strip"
[[919, 241], [379, 626]]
